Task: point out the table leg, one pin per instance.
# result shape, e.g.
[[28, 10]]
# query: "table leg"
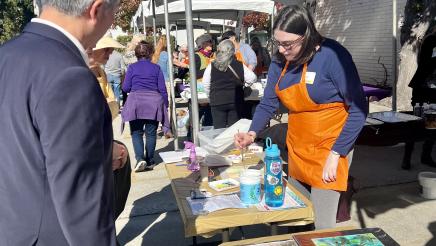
[[226, 235], [194, 240], [274, 228]]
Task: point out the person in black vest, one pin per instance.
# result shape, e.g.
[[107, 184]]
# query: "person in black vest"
[[223, 81], [423, 91]]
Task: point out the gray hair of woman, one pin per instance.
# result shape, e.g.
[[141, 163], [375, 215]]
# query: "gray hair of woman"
[[224, 55]]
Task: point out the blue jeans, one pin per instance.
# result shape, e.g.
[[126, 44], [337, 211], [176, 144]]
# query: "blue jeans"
[[137, 130], [115, 82]]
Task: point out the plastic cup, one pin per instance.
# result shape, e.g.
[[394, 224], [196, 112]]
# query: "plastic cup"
[[250, 187]]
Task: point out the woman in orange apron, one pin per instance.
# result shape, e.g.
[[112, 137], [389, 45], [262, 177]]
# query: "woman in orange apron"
[[316, 80]]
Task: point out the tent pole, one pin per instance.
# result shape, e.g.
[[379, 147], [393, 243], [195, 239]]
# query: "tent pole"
[[154, 22], [143, 19], [171, 75], [192, 73], [394, 55]]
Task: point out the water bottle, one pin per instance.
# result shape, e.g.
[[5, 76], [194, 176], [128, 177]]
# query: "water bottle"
[[273, 184], [417, 110]]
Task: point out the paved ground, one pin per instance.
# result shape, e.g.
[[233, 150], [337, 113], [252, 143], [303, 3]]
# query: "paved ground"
[[151, 216]]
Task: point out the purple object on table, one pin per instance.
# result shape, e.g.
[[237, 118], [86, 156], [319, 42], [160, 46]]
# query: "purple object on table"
[[380, 93], [180, 87]]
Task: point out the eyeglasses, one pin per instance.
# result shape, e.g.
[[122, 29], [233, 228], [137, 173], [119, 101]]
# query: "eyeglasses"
[[287, 45]]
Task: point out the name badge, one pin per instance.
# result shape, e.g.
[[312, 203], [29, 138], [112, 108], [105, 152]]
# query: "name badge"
[[310, 77]]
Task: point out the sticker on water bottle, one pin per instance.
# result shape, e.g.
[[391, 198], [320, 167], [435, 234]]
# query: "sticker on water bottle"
[[278, 190], [275, 167], [272, 180]]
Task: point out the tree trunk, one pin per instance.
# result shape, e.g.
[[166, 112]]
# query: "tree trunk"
[[418, 22]]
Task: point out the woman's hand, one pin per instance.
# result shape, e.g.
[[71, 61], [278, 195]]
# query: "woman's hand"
[[330, 168], [119, 156], [243, 139]]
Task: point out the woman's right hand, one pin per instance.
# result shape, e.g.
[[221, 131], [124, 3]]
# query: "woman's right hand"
[[243, 139]]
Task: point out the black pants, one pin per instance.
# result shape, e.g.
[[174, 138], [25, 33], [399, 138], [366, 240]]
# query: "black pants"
[[224, 115], [420, 95], [122, 184]]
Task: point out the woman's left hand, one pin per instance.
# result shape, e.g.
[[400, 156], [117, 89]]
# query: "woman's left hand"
[[330, 168]]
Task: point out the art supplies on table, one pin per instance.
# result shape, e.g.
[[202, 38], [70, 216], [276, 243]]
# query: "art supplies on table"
[[211, 204], [224, 184], [178, 156], [365, 236], [213, 160], [291, 201]]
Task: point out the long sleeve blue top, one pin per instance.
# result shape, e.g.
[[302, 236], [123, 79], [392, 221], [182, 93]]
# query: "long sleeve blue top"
[[336, 80], [144, 75]]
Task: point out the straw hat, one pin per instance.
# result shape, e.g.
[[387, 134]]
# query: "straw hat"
[[107, 42]]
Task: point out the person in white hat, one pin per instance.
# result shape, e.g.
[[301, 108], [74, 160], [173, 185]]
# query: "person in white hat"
[[98, 57]]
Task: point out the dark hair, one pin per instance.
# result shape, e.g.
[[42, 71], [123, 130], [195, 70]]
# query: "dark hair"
[[228, 35], [144, 50], [297, 20]]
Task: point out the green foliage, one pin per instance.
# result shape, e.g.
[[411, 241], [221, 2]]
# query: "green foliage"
[[14, 15], [125, 13], [124, 39]]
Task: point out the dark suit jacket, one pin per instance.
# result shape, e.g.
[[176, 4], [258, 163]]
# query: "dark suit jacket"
[[56, 181]]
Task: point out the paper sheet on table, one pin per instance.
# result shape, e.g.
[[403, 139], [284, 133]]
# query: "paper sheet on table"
[[177, 156], [291, 201], [208, 205]]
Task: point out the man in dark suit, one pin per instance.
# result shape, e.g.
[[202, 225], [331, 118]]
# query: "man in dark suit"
[[56, 181]]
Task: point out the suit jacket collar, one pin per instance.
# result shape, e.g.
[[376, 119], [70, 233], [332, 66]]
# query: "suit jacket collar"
[[54, 34]]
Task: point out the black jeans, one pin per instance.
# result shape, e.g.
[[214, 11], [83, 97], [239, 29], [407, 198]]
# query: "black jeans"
[[224, 115]]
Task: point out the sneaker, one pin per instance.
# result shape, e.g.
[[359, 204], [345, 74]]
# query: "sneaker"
[[150, 167], [140, 166]]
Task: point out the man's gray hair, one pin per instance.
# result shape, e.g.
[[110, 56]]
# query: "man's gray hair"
[[71, 7], [224, 55]]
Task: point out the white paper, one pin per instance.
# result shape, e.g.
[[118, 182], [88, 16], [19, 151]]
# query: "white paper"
[[177, 156], [208, 205]]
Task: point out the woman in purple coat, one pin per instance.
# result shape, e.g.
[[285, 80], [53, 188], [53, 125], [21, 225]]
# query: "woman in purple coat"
[[146, 105]]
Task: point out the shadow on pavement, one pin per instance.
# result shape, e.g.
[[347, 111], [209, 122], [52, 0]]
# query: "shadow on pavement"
[[432, 228]]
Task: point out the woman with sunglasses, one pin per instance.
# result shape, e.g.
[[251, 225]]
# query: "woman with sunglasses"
[[317, 80]]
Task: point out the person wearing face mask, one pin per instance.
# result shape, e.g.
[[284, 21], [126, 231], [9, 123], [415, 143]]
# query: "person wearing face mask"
[[317, 80], [203, 58]]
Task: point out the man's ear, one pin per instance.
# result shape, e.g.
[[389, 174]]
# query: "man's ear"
[[96, 10]]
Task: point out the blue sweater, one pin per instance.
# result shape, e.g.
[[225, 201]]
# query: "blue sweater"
[[336, 80]]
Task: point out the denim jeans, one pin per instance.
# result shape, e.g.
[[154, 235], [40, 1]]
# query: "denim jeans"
[[137, 130], [115, 82]]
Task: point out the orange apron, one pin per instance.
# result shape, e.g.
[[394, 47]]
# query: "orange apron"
[[239, 57], [312, 131]]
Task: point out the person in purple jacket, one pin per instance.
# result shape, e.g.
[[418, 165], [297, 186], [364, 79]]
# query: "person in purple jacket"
[[146, 105], [317, 81]]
